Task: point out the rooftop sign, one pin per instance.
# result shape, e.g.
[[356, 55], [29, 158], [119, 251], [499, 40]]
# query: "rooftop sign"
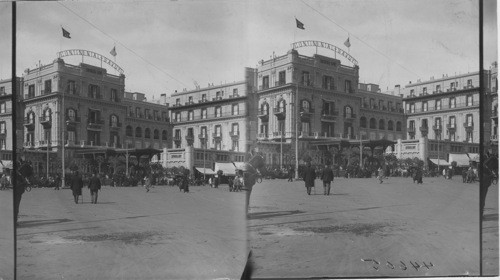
[[97, 56], [311, 43]]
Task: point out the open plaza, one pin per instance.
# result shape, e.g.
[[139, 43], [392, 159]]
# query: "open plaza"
[[132, 234], [368, 229]]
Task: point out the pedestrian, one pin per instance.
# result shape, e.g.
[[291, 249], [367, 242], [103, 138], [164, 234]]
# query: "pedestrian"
[[238, 181], [210, 182], [444, 173], [94, 186], [464, 175], [380, 173], [418, 175], [291, 173], [76, 186], [23, 177], [185, 183], [230, 183], [309, 177], [327, 177], [147, 182], [216, 181]]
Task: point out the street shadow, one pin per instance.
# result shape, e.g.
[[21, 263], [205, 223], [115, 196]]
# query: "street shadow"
[[490, 217], [339, 194], [52, 231], [36, 223], [272, 214]]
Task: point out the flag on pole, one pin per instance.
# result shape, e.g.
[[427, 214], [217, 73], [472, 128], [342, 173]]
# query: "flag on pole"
[[300, 25], [347, 43], [65, 33], [113, 51]]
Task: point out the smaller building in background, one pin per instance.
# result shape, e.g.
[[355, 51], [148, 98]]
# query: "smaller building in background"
[[7, 135]]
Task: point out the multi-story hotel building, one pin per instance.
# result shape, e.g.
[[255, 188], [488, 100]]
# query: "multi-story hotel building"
[[7, 136], [381, 114], [84, 108], [445, 113], [211, 124], [493, 100], [330, 107]]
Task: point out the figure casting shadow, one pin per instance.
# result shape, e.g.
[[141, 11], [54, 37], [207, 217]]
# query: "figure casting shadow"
[[36, 223], [272, 214]]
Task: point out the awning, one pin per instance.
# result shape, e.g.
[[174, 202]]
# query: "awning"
[[205, 170], [461, 159], [442, 162], [228, 168], [473, 157]]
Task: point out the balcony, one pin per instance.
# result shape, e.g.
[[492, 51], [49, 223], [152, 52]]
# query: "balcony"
[[306, 113], [451, 127], [424, 129], [217, 135], [72, 120], [278, 135], [494, 137], [279, 83], [217, 98], [95, 124], [115, 126], [177, 138], [203, 136], [411, 130], [190, 138], [469, 125], [329, 116], [305, 134], [234, 134], [437, 127], [3, 133], [29, 144], [349, 116], [46, 122], [263, 115], [348, 136], [262, 136], [29, 123], [280, 113]]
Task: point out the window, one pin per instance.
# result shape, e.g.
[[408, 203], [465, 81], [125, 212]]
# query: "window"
[[390, 125], [114, 95], [470, 100], [381, 104], [306, 128], [281, 78], [147, 133], [2, 90], [156, 134], [3, 128], [71, 87], [452, 122], [362, 122], [177, 102], [31, 91], [264, 109], [348, 86], [424, 90], [305, 106], [137, 112], [190, 100], [235, 145], [389, 104], [437, 123], [218, 131], [412, 92], [412, 108], [469, 83], [94, 116], [3, 107], [265, 82], [47, 114], [128, 131], [453, 102], [204, 97], [372, 103], [424, 123], [381, 124], [48, 87], [281, 105], [218, 95], [138, 131], [469, 120], [438, 104], [218, 112], [398, 126], [328, 83], [425, 106], [204, 113], [453, 85], [235, 92], [347, 112], [305, 78], [235, 110], [203, 131], [113, 121], [235, 129], [2, 144], [94, 91], [147, 114], [438, 88], [191, 115], [373, 123]]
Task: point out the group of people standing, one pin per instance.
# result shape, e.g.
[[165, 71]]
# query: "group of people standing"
[[76, 185], [310, 175]]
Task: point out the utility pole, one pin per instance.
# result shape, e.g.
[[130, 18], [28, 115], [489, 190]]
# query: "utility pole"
[[296, 116]]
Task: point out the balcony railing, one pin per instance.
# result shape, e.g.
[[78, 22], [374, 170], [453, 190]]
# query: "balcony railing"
[[451, 126], [177, 138], [411, 129], [437, 127], [202, 136], [469, 125], [424, 128], [3, 132], [190, 137], [74, 119], [278, 134], [350, 116], [217, 135], [234, 133], [262, 135], [329, 115]]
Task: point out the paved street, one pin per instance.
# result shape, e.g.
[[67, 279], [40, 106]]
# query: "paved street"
[[398, 224], [490, 232], [6, 236], [131, 234]]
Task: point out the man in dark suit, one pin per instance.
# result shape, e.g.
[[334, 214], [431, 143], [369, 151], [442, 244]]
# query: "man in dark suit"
[[309, 177], [94, 186], [23, 176], [327, 178], [76, 185]]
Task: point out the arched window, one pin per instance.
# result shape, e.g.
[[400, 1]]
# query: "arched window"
[[71, 114], [47, 113], [347, 111], [164, 135], [305, 105], [381, 124], [138, 131], [390, 125], [264, 108], [156, 134], [362, 122], [113, 121], [398, 126], [128, 131], [147, 133], [281, 105], [373, 123], [137, 112]]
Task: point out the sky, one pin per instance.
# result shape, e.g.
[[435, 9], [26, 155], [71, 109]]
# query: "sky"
[[5, 42], [165, 46]]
